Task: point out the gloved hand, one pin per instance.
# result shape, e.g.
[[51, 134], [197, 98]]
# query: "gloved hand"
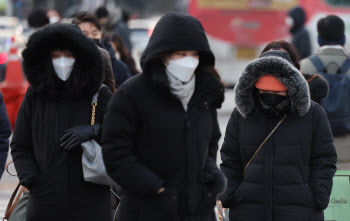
[[77, 135]]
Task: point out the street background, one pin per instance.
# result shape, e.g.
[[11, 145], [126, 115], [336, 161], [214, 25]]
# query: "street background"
[[237, 31]]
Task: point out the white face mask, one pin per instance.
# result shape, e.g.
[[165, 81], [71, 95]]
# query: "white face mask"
[[289, 21], [117, 55], [54, 19], [183, 68], [63, 67]]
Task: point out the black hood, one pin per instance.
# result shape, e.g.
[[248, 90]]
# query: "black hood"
[[279, 67], [299, 18], [176, 32], [87, 74]]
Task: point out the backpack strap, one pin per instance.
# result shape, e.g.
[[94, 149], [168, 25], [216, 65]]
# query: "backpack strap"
[[345, 66], [317, 62]]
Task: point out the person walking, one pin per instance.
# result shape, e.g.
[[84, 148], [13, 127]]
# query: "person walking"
[[116, 25], [278, 153], [64, 70], [90, 26], [301, 37], [5, 133], [121, 53], [160, 136], [331, 39], [332, 61]]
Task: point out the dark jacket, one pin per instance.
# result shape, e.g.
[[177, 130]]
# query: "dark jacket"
[[5, 133], [120, 70], [108, 79], [318, 87], [149, 141], [53, 175], [290, 178], [301, 37]]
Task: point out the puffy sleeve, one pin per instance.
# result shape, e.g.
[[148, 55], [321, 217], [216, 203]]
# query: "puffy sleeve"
[[118, 138], [323, 158], [22, 145], [5, 133], [231, 164], [212, 173]]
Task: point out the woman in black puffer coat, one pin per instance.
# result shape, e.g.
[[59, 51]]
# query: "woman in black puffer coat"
[[290, 177], [64, 69], [160, 133]]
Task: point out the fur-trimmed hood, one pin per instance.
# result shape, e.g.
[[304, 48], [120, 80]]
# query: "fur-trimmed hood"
[[87, 74], [284, 71]]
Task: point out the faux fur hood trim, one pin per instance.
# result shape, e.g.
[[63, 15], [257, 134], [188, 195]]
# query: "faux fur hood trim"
[[87, 74], [298, 89]]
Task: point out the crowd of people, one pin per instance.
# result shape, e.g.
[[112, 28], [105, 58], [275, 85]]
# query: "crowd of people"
[[159, 130]]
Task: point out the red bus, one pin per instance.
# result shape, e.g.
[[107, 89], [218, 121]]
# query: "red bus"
[[247, 25]]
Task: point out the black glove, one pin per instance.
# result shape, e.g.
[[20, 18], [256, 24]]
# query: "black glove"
[[215, 177], [77, 135]]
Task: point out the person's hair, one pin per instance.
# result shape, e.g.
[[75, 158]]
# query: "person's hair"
[[125, 55], [284, 46], [38, 19], [83, 17], [101, 12], [331, 28], [125, 15]]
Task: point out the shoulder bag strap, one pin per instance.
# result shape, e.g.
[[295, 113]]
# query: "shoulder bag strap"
[[7, 168], [13, 201], [94, 104], [273, 131]]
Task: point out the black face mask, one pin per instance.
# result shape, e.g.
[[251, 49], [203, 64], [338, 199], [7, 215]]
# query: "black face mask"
[[272, 100], [274, 104], [96, 41]]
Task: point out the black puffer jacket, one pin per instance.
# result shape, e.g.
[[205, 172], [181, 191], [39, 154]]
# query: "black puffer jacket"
[[5, 133], [53, 175], [149, 141], [301, 37], [318, 87], [291, 176]]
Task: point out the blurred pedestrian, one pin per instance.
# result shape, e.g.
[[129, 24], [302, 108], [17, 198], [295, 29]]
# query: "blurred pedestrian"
[[103, 16], [332, 62], [37, 19], [161, 133], [5, 133], [318, 86], [90, 26], [54, 16], [331, 38], [278, 153], [119, 27], [64, 71], [121, 53], [301, 37]]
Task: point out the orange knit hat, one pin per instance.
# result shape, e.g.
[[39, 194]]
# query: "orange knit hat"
[[270, 83]]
